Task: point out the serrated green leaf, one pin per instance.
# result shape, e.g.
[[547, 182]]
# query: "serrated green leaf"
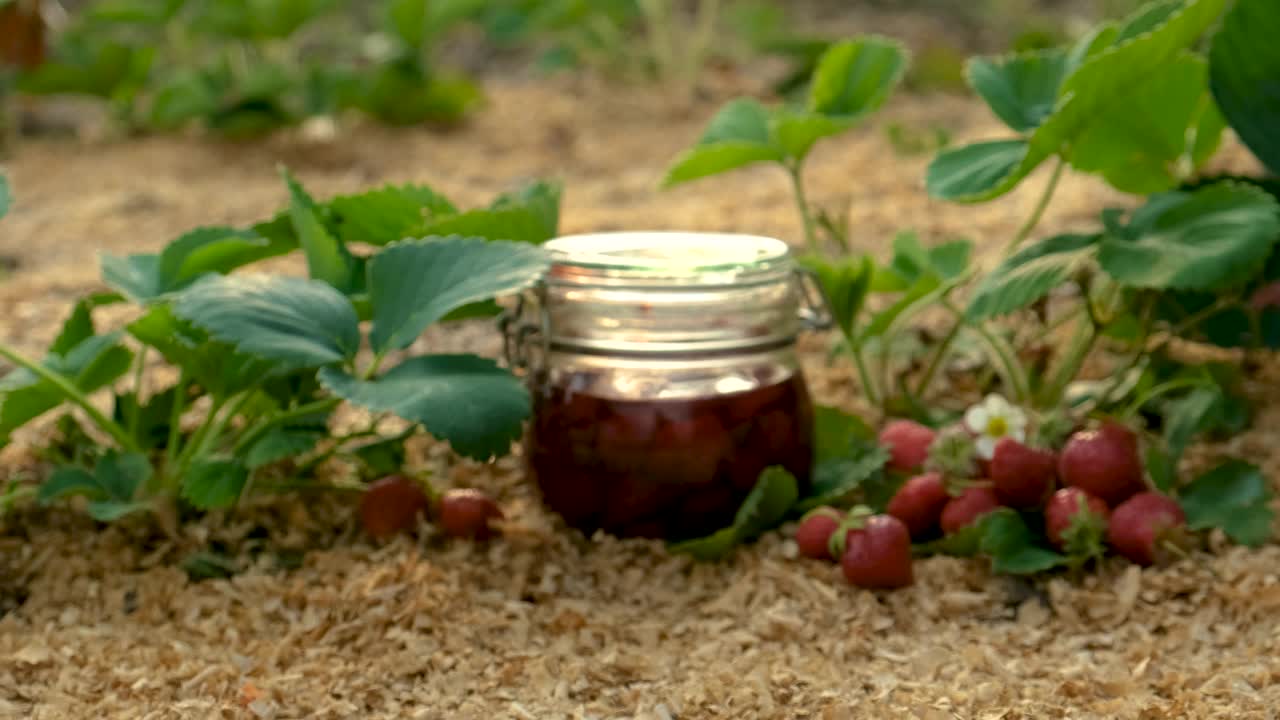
[[282, 443], [1189, 416], [835, 480], [1020, 89], [384, 456], [327, 258], [796, 132], [1161, 468], [212, 250], [529, 215], [112, 510], [710, 548], [135, 276], [773, 496], [292, 322], [911, 261], [467, 401], [741, 120], [120, 474], [965, 542], [1011, 545], [215, 366], [926, 290], [1235, 497], [1145, 145], [705, 160], [856, 77], [91, 365], [1029, 275], [1244, 64], [148, 423], [214, 484], [959, 174], [77, 328], [68, 481], [387, 214], [1208, 239], [845, 282], [6, 196], [413, 284], [1106, 79], [835, 432]]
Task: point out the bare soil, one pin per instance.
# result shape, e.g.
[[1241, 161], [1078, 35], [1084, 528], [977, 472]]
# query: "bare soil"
[[101, 622]]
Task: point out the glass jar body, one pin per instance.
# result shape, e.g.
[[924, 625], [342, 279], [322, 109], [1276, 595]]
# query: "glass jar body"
[[664, 447]]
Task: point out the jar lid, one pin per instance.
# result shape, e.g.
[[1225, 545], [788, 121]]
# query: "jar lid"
[[664, 257], [672, 293]]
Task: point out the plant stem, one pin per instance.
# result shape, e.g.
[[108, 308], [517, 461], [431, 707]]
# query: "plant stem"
[[796, 171], [175, 420], [1038, 212], [247, 440], [936, 362], [1014, 373], [195, 441], [864, 375], [139, 364], [73, 394], [1081, 344]]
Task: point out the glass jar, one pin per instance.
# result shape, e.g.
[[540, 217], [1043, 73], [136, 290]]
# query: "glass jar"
[[664, 377]]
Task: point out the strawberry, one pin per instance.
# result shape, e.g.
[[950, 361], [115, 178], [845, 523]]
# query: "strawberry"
[[878, 554], [467, 514], [815, 531], [391, 505], [1076, 522], [1022, 476], [907, 442], [973, 503], [1141, 525], [1103, 462], [919, 502]]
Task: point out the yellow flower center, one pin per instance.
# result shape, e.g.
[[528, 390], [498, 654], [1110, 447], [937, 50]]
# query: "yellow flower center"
[[997, 427]]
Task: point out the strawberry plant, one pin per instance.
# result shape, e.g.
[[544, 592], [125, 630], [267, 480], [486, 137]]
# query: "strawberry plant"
[[263, 361]]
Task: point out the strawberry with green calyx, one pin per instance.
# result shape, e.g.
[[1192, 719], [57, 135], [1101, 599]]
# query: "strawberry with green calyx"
[[1076, 523], [1148, 527], [1105, 462], [962, 511], [907, 442], [813, 536], [954, 453], [853, 520], [1023, 476], [1053, 428], [876, 552]]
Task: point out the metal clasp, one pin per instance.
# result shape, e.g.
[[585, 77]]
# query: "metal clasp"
[[815, 306], [517, 334]]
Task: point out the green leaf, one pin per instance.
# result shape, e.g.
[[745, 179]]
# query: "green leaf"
[[1011, 545], [965, 542], [710, 548], [467, 401], [384, 456], [327, 258], [969, 173], [1029, 274], [282, 443], [67, 481], [767, 504], [387, 214], [184, 96], [845, 282], [413, 284], [737, 136], [110, 488], [112, 510], [924, 291], [121, 474], [91, 365], [1190, 415], [1106, 79], [1209, 239], [77, 328], [137, 277], [215, 366], [1161, 468], [835, 432], [1244, 68], [149, 422], [214, 484], [408, 20], [6, 196], [529, 215], [1235, 497], [212, 250], [1020, 89], [1144, 145], [857, 76], [836, 479], [796, 132], [293, 322]]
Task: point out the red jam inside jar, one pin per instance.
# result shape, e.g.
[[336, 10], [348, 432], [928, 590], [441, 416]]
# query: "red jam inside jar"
[[663, 468], [664, 378]]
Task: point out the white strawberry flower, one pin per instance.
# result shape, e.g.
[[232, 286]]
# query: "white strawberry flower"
[[992, 419]]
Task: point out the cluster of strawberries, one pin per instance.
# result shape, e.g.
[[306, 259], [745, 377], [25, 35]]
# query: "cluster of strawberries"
[[1090, 494]]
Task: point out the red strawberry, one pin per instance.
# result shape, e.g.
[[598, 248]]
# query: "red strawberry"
[[972, 504], [919, 502], [391, 505], [1022, 476], [1141, 525], [1103, 462], [908, 443], [878, 555], [467, 514], [1076, 522], [815, 531]]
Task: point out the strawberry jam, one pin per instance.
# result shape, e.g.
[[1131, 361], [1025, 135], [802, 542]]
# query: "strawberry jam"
[[662, 468]]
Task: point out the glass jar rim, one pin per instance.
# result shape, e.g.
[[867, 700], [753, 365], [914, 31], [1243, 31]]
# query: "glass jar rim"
[[679, 257]]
